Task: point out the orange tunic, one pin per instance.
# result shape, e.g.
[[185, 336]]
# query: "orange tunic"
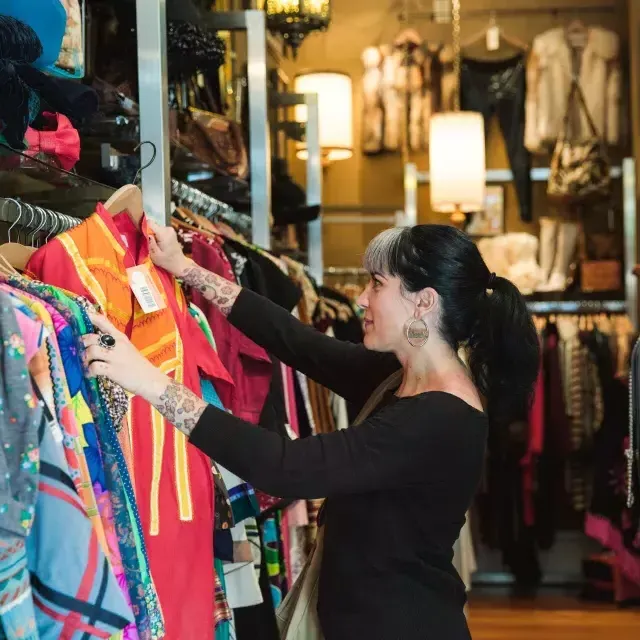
[[172, 479]]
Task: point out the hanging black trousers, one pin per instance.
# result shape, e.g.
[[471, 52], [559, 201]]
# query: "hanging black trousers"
[[499, 88]]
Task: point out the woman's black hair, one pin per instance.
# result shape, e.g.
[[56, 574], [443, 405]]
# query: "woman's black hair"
[[483, 312]]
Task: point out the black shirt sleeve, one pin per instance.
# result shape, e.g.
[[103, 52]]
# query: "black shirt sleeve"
[[352, 371], [398, 446]]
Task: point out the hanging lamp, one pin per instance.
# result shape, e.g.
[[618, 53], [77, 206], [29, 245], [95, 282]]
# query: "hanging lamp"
[[294, 20], [457, 158]]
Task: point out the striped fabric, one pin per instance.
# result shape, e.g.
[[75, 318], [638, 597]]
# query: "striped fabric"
[[74, 590]]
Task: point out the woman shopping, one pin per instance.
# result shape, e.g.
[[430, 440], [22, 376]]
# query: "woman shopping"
[[398, 482]]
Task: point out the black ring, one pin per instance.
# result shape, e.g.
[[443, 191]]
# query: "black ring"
[[107, 341]]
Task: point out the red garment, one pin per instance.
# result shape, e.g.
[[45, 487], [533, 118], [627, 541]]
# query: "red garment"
[[173, 480], [248, 364], [536, 437]]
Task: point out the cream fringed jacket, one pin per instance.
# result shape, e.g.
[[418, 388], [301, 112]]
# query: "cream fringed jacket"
[[549, 73]]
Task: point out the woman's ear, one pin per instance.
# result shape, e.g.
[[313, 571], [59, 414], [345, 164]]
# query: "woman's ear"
[[427, 300]]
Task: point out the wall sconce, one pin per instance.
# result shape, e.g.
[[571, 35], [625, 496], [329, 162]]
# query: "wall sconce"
[[296, 19], [457, 166], [335, 106]]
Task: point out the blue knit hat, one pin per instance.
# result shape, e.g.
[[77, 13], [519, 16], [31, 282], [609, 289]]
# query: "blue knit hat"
[[47, 18]]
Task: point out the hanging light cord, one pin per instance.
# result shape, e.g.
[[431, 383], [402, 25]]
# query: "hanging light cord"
[[457, 56]]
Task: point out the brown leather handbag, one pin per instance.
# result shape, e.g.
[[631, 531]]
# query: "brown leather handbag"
[[215, 140]]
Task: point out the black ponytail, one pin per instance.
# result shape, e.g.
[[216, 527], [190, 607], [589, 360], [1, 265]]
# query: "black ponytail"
[[480, 311], [504, 351]]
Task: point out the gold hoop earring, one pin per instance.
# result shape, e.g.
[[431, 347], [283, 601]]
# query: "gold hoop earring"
[[417, 336]]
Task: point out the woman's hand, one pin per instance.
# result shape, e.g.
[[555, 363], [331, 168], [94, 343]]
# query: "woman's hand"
[[165, 250], [121, 362], [112, 355]]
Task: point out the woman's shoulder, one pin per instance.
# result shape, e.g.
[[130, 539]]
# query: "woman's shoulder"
[[436, 413]]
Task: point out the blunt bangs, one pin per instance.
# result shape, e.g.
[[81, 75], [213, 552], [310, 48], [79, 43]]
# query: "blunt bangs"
[[383, 253]]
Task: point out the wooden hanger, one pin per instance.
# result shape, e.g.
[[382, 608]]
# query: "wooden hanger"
[[408, 37], [493, 31], [16, 255], [6, 267], [576, 34], [129, 199]]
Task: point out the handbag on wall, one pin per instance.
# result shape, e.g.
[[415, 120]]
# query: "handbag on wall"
[[580, 169], [215, 140], [297, 616]]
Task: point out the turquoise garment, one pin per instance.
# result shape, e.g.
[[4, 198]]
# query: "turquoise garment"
[[209, 394]]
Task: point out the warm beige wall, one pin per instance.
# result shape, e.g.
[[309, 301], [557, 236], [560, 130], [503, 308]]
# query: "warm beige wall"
[[378, 180]]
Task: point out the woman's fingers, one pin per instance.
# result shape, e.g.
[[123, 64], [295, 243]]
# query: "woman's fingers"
[[90, 339], [102, 323], [96, 352], [97, 368]]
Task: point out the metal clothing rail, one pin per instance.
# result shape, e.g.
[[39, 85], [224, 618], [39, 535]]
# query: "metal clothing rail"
[[208, 206], [497, 176], [506, 12], [27, 216], [345, 271], [577, 306]]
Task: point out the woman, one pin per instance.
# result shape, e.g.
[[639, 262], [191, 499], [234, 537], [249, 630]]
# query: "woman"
[[399, 484]]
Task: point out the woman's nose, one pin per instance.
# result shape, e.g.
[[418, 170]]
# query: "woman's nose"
[[363, 300]]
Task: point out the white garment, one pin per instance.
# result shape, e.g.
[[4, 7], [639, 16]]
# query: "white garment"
[[242, 587], [464, 557], [550, 70]]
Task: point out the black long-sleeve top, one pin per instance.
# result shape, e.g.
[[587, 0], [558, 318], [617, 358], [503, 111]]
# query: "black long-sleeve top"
[[398, 485]]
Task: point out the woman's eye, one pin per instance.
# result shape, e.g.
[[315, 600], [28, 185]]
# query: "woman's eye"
[[376, 283]]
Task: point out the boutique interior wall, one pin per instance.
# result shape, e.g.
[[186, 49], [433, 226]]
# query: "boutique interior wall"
[[368, 182]]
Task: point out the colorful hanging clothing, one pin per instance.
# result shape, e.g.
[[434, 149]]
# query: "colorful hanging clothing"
[[172, 479], [102, 443], [20, 417]]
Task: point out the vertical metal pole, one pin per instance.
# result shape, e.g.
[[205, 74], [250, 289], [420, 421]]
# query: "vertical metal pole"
[[314, 186], [630, 237], [259, 128], [151, 20], [410, 194]]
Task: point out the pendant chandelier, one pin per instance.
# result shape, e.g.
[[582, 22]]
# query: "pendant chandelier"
[[294, 20]]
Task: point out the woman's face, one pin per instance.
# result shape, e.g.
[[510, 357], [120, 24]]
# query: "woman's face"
[[386, 312]]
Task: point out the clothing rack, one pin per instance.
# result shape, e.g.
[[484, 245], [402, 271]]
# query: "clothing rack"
[[507, 12], [543, 307], [208, 206], [345, 271], [16, 212]]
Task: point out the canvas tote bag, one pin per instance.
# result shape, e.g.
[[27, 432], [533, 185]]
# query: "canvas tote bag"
[[297, 616]]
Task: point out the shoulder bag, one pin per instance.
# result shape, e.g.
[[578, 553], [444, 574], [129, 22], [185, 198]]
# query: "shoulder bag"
[[298, 614], [580, 169]]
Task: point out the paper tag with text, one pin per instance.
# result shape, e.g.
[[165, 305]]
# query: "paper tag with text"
[[493, 38], [144, 289]]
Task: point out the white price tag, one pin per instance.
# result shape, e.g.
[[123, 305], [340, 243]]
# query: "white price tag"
[[493, 38], [144, 289]]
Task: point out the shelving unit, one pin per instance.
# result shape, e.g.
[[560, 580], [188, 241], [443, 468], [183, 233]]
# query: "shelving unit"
[[414, 178]]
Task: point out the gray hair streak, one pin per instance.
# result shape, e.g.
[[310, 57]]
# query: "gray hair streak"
[[381, 254]]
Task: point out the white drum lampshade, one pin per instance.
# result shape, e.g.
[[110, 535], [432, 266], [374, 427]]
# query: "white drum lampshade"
[[335, 107], [457, 165]]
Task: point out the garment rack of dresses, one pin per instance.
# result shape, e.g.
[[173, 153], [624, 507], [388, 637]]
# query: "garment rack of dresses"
[[208, 206]]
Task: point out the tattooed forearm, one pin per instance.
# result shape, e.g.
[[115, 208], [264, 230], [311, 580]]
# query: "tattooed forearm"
[[218, 290], [180, 407]]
